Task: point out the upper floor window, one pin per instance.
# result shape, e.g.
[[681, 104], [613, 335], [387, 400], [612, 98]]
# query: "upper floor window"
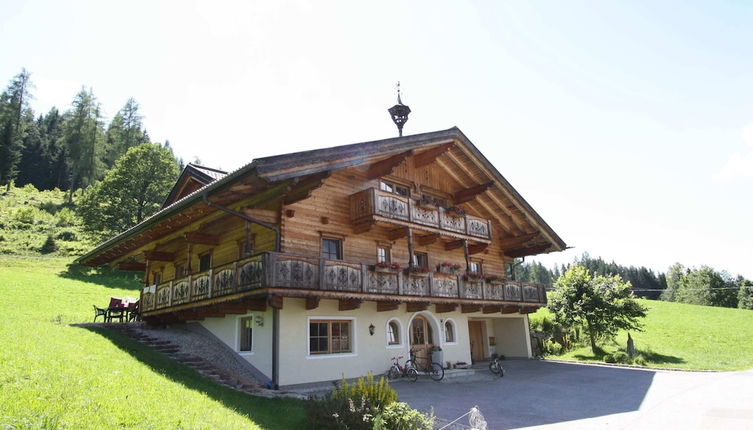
[[157, 276], [394, 188], [383, 254], [476, 267], [332, 249], [421, 259], [434, 200], [245, 248], [205, 261], [180, 270]]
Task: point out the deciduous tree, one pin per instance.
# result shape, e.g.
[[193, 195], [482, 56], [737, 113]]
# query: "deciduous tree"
[[602, 305]]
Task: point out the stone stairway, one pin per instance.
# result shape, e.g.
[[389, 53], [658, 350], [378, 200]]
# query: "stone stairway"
[[204, 367]]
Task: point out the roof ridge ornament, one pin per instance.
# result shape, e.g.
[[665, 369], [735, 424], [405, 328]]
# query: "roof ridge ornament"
[[399, 112]]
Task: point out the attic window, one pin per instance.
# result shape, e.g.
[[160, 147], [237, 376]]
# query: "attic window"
[[394, 188]]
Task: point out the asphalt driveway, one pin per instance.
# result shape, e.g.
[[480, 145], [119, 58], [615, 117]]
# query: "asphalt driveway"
[[574, 396]]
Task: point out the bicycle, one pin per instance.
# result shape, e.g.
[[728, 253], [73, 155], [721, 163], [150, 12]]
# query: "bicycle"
[[396, 370], [495, 366], [431, 368]]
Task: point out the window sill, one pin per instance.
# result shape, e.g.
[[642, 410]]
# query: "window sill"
[[245, 353], [396, 346], [341, 355]]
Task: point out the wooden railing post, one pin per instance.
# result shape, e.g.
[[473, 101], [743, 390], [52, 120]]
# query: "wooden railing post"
[[234, 285], [170, 298], [431, 284], [364, 274], [321, 273], [211, 283], [190, 288]]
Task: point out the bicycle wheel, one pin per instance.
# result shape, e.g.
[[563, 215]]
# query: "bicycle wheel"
[[411, 364], [437, 373], [411, 374], [393, 373], [494, 367], [501, 371]]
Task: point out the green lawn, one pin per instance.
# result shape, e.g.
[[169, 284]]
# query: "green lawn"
[[684, 336], [53, 375]]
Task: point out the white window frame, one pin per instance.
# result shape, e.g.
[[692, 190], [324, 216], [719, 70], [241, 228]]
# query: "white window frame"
[[401, 336], [354, 340], [455, 331], [238, 335]]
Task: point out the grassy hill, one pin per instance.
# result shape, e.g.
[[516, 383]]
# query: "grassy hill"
[[53, 375], [29, 216], [682, 336]]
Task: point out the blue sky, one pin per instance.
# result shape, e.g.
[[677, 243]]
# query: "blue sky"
[[627, 125]]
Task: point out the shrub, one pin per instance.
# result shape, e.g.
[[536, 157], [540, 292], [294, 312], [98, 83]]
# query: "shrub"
[[640, 361], [400, 416], [24, 215], [65, 217], [351, 406], [48, 246], [66, 235], [609, 358], [621, 357]]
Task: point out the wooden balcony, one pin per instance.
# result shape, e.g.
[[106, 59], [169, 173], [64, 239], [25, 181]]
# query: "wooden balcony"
[[282, 274], [373, 205]]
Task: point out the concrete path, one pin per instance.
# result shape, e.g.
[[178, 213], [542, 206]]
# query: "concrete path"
[[549, 395]]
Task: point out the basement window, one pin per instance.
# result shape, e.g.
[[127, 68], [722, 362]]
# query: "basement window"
[[246, 334]]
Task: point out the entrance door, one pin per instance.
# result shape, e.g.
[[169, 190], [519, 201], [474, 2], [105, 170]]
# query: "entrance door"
[[421, 337], [476, 334]]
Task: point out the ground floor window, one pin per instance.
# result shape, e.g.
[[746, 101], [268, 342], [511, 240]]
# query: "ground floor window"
[[393, 333], [246, 334], [330, 336], [449, 331]]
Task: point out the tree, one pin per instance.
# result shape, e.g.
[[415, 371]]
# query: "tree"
[[745, 294], [603, 305], [674, 274], [83, 140], [125, 131], [14, 117], [707, 287], [134, 189]]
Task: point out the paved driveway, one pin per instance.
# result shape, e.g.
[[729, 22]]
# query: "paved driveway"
[[573, 396]]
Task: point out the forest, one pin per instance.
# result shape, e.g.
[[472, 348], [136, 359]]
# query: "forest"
[[119, 177]]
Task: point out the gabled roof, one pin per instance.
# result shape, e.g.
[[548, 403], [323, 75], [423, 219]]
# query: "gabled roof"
[[292, 167], [199, 175]]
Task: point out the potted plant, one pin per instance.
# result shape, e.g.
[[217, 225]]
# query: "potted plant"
[[455, 211], [446, 267], [472, 276], [417, 270], [427, 203], [386, 267]]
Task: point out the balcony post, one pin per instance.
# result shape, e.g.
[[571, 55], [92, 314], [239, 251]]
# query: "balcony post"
[[321, 272], [431, 284], [234, 286], [170, 299], [467, 256], [211, 283], [268, 263], [364, 273], [410, 249], [190, 287]]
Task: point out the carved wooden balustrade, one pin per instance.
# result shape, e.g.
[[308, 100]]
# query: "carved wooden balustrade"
[[280, 270], [371, 204]]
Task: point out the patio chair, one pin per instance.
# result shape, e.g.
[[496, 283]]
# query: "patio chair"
[[133, 311], [99, 312], [116, 310]]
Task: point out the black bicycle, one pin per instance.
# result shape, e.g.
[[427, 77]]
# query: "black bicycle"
[[495, 366], [430, 368]]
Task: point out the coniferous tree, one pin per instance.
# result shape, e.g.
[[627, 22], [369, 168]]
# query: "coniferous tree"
[[124, 132], [13, 123], [56, 150], [83, 140], [745, 293], [33, 167]]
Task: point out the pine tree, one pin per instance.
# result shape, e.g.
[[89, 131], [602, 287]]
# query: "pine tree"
[[124, 132], [83, 139], [33, 168], [13, 107]]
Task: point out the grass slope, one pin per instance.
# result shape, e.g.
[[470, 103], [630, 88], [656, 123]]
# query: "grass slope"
[[53, 375], [28, 216], [683, 336]]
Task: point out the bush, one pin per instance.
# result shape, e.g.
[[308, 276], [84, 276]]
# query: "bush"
[[351, 406], [621, 357], [66, 235], [609, 358], [400, 416], [49, 246], [65, 218], [24, 215], [640, 361]]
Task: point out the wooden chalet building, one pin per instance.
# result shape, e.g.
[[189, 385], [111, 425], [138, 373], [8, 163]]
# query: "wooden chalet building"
[[324, 263]]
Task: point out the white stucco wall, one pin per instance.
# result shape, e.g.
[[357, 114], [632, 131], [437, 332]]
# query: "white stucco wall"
[[227, 329], [370, 353], [511, 336]]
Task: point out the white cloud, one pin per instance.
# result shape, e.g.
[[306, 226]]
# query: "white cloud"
[[739, 164]]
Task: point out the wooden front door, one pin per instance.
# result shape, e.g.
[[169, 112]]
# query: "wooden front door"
[[421, 336], [476, 334]]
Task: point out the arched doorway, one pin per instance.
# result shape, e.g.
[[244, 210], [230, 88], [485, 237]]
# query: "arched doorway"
[[422, 340]]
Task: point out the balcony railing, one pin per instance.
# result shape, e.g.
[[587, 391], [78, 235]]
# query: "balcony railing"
[[280, 270], [367, 204]]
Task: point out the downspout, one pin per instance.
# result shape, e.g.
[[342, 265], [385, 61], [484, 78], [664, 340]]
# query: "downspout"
[[275, 311]]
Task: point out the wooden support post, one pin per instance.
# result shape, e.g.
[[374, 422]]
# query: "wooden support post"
[[275, 301], [441, 308], [467, 256], [417, 306], [349, 304], [146, 274], [410, 249], [312, 303], [387, 306], [466, 309]]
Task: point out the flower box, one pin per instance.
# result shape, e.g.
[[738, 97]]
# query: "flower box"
[[416, 270], [473, 277], [455, 211], [450, 268], [386, 267], [494, 279]]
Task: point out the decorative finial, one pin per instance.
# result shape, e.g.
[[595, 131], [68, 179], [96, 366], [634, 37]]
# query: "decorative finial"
[[399, 112]]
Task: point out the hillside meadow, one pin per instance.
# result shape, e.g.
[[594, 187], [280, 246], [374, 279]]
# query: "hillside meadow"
[[53, 375], [682, 336]]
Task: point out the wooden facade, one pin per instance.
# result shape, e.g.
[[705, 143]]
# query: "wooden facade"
[[248, 239]]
